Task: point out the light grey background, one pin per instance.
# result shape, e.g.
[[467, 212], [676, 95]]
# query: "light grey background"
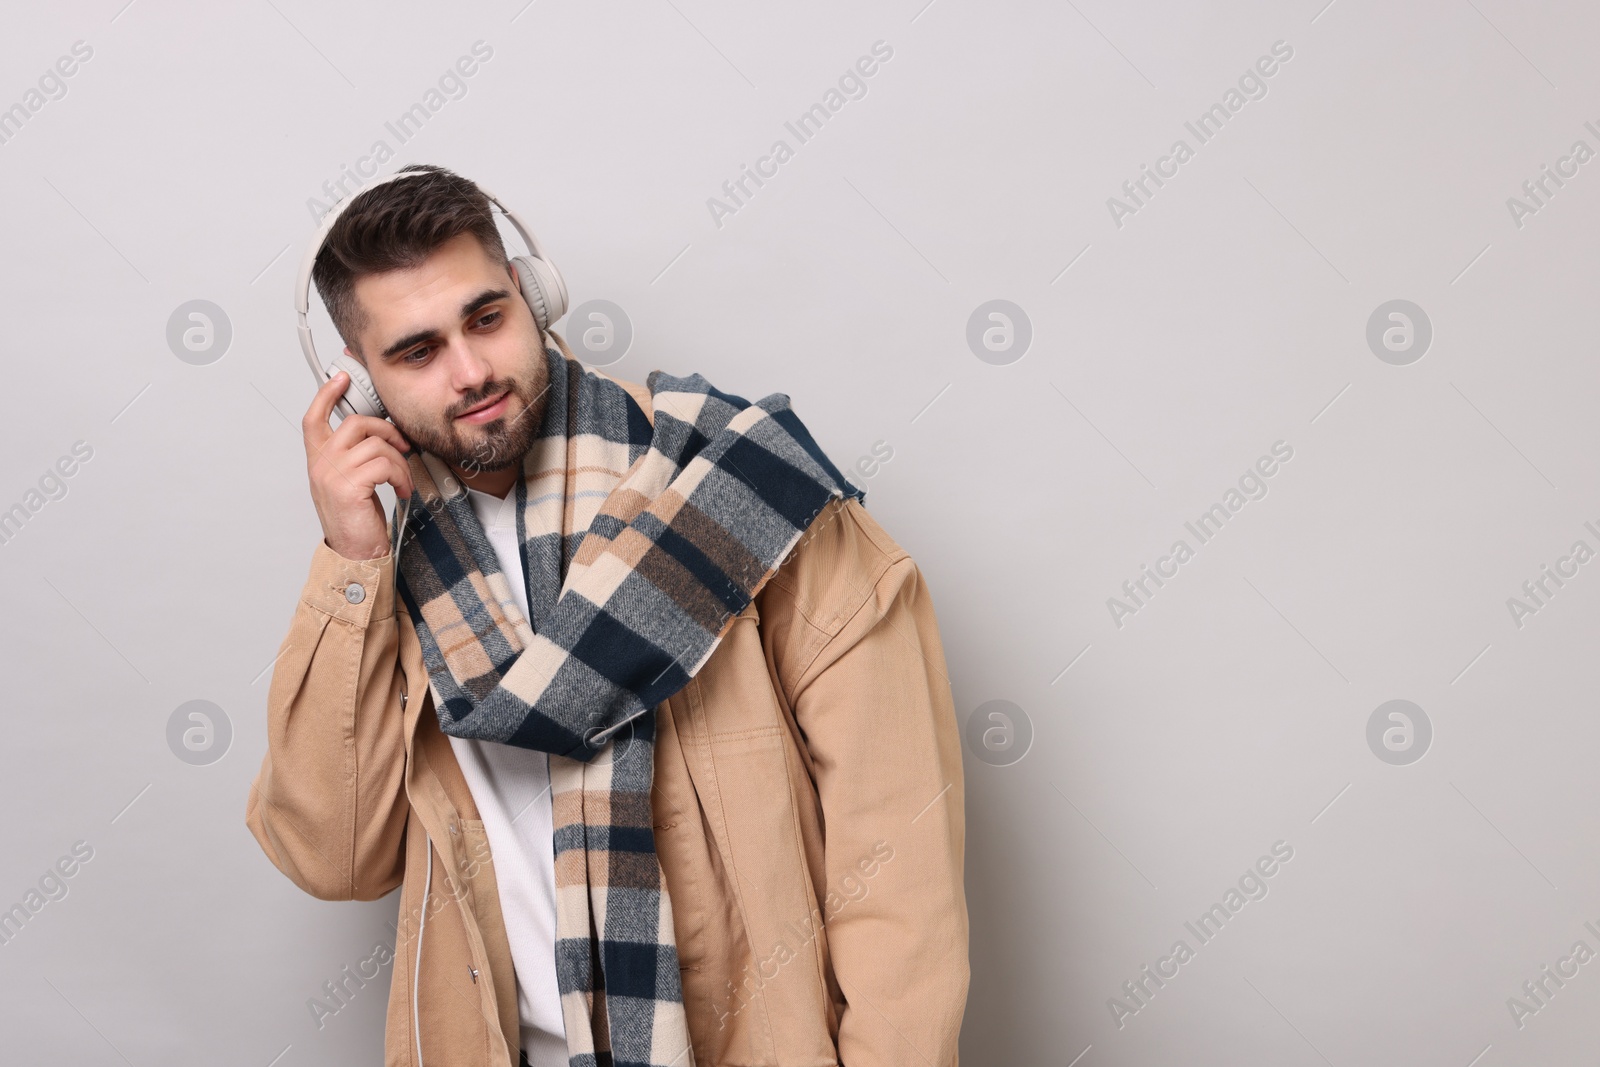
[[1168, 354]]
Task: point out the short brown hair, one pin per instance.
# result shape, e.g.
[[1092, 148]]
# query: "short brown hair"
[[396, 226]]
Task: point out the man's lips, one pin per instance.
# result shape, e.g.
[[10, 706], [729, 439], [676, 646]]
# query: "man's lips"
[[493, 409]]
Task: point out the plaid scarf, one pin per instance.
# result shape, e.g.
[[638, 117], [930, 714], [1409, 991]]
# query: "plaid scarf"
[[640, 545]]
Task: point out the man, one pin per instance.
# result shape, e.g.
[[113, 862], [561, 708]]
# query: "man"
[[436, 722]]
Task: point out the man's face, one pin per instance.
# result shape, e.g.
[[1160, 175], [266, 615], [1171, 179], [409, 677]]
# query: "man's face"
[[454, 352]]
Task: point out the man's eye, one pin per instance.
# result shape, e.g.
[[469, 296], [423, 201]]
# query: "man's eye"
[[489, 319], [407, 358]]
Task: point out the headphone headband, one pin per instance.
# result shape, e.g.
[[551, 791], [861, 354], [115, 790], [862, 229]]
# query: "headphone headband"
[[302, 284]]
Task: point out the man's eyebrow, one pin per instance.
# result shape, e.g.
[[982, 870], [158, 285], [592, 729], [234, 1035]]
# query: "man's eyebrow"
[[488, 296]]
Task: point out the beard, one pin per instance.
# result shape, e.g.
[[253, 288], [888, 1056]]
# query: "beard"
[[491, 446]]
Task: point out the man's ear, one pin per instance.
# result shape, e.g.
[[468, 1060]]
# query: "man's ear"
[[354, 356]]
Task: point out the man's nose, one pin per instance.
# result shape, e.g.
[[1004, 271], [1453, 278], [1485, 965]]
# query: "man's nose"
[[468, 369]]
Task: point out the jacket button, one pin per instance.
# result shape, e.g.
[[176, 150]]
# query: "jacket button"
[[355, 593], [452, 827]]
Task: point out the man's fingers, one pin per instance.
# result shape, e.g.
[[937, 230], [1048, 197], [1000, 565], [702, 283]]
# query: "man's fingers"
[[359, 454], [386, 468], [358, 458], [357, 427], [391, 433], [315, 424], [359, 442]]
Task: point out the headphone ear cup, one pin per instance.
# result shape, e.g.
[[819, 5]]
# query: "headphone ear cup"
[[543, 289], [360, 396]]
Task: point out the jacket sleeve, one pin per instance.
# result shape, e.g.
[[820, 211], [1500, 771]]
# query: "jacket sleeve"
[[328, 805], [879, 722]]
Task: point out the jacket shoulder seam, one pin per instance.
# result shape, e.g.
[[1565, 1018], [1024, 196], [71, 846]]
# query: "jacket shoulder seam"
[[887, 557], [877, 581]]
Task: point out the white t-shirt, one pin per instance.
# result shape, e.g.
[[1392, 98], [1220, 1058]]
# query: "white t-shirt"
[[511, 787]]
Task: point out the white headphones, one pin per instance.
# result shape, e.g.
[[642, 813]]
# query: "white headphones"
[[542, 287]]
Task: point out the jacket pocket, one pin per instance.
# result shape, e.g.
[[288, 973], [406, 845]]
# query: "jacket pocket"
[[777, 1010], [713, 948]]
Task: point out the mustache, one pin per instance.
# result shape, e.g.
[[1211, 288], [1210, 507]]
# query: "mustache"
[[496, 390], [527, 408], [510, 387]]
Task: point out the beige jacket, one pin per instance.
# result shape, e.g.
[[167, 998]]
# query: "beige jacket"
[[808, 816]]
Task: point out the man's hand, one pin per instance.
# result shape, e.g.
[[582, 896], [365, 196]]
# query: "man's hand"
[[346, 466]]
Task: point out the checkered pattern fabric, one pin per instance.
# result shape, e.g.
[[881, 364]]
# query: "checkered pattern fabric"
[[640, 544]]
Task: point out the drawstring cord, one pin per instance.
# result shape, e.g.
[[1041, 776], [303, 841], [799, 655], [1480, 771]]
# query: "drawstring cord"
[[416, 977]]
